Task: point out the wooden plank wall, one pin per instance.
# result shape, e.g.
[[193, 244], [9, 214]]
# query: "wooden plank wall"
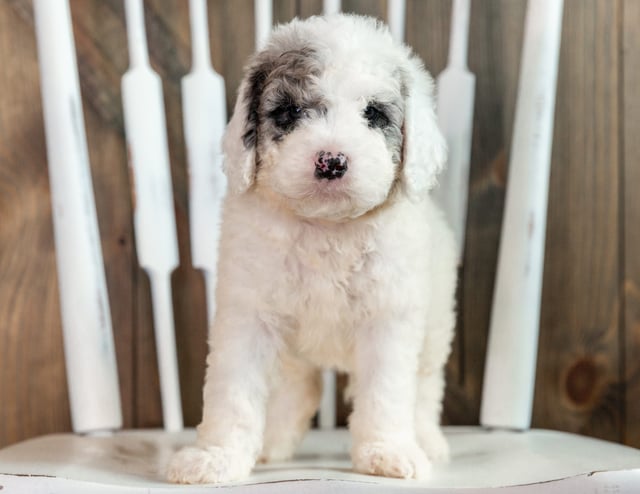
[[579, 368], [589, 359], [630, 205]]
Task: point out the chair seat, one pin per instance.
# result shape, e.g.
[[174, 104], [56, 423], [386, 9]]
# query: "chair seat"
[[482, 461]]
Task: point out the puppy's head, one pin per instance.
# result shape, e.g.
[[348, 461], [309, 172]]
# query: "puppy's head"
[[332, 117]]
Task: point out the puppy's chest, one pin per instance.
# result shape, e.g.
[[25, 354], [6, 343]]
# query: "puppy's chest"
[[328, 271], [327, 281]]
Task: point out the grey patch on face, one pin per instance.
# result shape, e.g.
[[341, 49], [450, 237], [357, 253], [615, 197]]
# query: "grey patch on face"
[[255, 84], [387, 117], [393, 132], [280, 91], [394, 109]]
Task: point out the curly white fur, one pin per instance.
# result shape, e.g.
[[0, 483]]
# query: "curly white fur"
[[356, 273]]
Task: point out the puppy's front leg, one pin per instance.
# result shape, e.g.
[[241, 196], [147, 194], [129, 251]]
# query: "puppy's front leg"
[[382, 423], [235, 395]]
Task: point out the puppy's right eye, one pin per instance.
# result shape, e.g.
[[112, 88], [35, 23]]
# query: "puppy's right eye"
[[285, 116]]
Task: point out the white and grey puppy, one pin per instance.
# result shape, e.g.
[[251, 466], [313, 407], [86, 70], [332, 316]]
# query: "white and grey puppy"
[[332, 254]]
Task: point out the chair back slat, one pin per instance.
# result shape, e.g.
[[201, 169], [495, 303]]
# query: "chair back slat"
[[455, 104], [92, 376], [263, 19], [331, 7], [204, 117], [396, 18], [509, 380], [153, 217]]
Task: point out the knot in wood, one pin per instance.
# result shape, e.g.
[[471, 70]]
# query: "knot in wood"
[[580, 384]]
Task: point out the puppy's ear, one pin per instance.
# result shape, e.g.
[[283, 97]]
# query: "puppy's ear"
[[424, 147], [241, 136]]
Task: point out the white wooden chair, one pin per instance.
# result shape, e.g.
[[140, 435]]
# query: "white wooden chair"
[[503, 456]]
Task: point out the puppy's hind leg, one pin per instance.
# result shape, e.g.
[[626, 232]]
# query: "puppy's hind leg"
[[436, 348], [428, 409], [292, 403], [431, 383]]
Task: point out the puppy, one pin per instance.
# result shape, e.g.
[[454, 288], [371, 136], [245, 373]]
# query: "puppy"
[[332, 254]]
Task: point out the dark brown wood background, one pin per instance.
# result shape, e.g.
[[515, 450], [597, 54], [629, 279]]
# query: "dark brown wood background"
[[589, 360]]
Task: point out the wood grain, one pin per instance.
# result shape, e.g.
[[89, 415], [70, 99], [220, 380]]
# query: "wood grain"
[[373, 8], [32, 374], [630, 178], [578, 381], [589, 359]]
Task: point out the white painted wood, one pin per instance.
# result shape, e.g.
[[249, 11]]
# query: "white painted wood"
[[456, 95], [482, 461], [92, 375], [509, 378], [263, 11], [205, 117], [396, 18], [327, 412], [154, 220], [166, 348], [331, 7]]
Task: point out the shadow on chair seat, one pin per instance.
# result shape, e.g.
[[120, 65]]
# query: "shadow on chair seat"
[[482, 461]]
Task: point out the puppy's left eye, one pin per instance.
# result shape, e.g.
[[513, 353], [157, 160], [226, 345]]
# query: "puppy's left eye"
[[375, 116], [285, 116]]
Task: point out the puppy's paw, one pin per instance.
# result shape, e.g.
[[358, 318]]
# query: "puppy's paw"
[[433, 443], [207, 466], [388, 459]]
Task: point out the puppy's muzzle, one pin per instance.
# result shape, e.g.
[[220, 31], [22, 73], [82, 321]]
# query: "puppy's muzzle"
[[329, 166]]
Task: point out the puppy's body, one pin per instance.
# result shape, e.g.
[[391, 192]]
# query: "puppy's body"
[[347, 265], [323, 283]]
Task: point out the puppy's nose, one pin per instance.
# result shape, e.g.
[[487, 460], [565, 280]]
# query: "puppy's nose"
[[330, 166]]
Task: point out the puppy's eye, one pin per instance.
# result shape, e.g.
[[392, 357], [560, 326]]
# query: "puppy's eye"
[[285, 116], [375, 116]]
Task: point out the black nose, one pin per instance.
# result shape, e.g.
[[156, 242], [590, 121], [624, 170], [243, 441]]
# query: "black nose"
[[329, 166]]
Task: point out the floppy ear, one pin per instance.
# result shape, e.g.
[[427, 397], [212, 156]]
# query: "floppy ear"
[[241, 136], [425, 149]]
